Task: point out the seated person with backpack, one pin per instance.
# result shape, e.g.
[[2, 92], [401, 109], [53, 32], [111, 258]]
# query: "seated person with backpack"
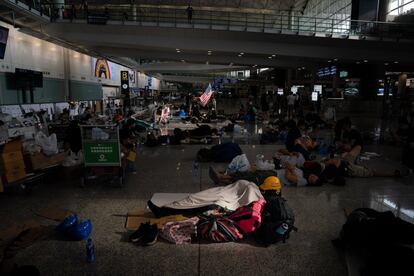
[[222, 153]]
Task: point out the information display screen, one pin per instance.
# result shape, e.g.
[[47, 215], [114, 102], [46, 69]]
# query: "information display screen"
[[314, 96]]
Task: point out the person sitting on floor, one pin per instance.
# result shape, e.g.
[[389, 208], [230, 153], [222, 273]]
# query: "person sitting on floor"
[[293, 133], [349, 137], [304, 145], [222, 153]]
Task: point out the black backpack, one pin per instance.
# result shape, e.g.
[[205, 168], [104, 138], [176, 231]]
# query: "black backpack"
[[366, 227], [276, 215]]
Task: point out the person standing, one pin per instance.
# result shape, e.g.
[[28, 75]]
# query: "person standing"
[[189, 11], [265, 107], [290, 105]]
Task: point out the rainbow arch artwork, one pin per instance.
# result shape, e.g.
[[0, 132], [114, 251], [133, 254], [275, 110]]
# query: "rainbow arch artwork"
[[102, 69]]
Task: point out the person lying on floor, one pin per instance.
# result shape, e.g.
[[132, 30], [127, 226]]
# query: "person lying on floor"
[[284, 156], [254, 176], [346, 167], [289, 175], [222, 153], [230, 197], [201, 131]]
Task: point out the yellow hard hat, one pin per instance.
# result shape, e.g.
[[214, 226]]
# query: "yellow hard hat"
[[271, 183]]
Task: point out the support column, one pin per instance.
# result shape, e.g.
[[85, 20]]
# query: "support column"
[[402, 82], [67, 74], [288, 83]]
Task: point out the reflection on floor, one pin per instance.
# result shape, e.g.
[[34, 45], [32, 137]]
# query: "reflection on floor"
[[319, 216]]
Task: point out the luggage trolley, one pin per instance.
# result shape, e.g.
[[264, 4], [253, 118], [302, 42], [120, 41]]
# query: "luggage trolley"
[[102, 154]]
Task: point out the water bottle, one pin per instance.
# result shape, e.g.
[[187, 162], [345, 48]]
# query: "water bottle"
[[282, 229], [195, 168], [90, 251]]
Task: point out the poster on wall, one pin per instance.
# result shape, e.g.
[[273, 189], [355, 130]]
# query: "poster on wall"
[[132, 77], [101, 68]]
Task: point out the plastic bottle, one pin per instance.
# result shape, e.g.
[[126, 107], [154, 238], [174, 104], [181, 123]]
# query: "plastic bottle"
[[90, 251], [281, 230]]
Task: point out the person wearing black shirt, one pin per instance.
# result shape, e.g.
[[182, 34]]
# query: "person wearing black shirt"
[[293, 134]]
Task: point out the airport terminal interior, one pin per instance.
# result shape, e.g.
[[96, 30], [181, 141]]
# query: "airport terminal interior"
[[206, 137]]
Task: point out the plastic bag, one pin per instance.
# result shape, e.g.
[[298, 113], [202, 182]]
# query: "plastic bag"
[[264, 165], [48, 144], [73, 159], [31, 147], [239, 163], [99, 134]]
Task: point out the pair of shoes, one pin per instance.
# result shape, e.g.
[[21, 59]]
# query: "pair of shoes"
[[147, 234], [151, 237], [140, 233], [214, 175]]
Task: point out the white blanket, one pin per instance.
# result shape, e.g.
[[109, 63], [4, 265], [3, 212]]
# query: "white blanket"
[[233, 196]]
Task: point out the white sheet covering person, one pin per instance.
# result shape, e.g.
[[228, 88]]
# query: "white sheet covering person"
[[233, 196]]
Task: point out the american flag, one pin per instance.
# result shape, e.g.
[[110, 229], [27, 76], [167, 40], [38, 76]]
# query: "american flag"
[[205, 97]]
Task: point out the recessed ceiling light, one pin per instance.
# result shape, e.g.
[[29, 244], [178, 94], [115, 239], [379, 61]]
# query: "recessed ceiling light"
[[396, 62], [303, 68], [241, 53], [365, 60], [299, 69], [273, 55], [335, 59], [182, 60], [177, 49], [329, 61], [209, 53], [386, 63], [269, 57]]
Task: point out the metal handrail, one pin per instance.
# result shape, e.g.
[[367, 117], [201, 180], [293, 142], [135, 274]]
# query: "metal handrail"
[[276, 21]]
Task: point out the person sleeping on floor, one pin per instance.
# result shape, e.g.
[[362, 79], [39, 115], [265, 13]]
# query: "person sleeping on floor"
[[230, 197]]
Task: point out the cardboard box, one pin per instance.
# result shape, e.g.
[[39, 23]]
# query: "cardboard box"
[[15, 175], [39, 161], [12, 161], [12, 151]]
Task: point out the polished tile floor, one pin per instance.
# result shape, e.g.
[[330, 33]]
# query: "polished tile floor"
[[319, 216]]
